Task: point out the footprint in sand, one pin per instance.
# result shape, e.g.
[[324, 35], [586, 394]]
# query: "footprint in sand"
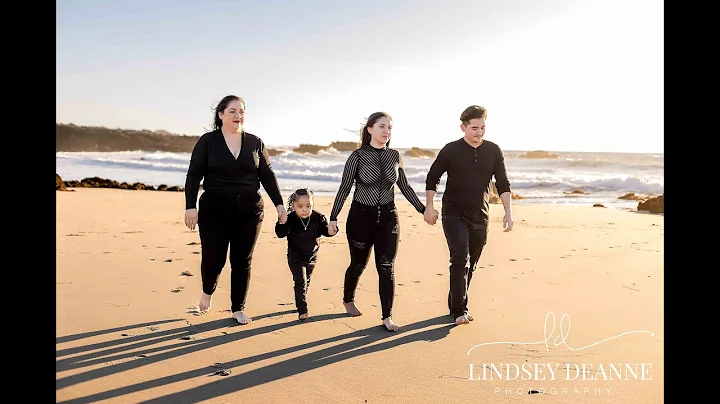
[[442, 274], [195, 252], [416, 281], [513, 259], [178, 289], [186, 273], [401, 284], [222, 372], [168, 260], [284, 304], [193, 243], [326, 289]]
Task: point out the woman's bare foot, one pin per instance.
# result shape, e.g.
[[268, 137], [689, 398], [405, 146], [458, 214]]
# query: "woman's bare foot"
[[470, 317], [462, 320], [303, 316], [390, 324], [241, 317], [205, 303], [351, 309]]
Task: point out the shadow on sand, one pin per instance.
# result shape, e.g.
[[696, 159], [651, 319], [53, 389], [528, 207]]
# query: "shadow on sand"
[[133, 351]]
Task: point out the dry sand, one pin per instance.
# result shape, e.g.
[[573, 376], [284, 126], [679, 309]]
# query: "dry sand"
[[128, 331]]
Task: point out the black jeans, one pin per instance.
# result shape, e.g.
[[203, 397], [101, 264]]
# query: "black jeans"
[[466, 239], [301, 279], [232, 221], [372, 226]]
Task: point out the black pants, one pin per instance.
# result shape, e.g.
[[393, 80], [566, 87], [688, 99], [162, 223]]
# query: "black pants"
[[232, 221], [302, 270], [466, 239], [372, 226]]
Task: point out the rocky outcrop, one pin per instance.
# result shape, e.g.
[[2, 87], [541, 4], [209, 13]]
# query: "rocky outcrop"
[[575, 192], [632, 197], [314, 149], [653, 205], [59, 184], [73, 138], [273, 152], [344, 146], [308, 148], [539, 154], [97, 182], [418, 152]]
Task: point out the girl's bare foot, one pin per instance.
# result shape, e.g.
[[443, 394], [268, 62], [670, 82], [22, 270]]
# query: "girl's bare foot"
[[462, 320], [205, 303], [241, 317], [303, 316], [390, 324], [351, 309]]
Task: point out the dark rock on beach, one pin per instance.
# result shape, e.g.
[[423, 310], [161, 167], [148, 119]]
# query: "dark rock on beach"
[[59, 184], [97, 182], [653, 205]]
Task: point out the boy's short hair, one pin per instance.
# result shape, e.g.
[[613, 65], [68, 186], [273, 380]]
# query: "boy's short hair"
[[473, 112]]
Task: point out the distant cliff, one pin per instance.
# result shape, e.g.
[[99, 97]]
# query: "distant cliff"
[[73, 138]]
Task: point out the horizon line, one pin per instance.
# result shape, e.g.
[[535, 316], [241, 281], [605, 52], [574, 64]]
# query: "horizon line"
[[352, 141]]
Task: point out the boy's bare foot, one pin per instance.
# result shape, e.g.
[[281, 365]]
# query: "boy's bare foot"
[[303, 316], [205, 303], [390, 324], [241, 317], [351, 309], [462, 320]]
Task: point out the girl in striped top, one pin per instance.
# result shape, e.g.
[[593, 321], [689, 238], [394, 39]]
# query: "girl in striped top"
[[374, 168]]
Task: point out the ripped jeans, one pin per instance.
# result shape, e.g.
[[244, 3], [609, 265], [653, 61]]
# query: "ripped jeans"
[[372, 227]]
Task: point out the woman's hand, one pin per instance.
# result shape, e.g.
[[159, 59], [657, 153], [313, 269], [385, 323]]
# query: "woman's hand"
[[332, 228], [282, 214], [191, 216]]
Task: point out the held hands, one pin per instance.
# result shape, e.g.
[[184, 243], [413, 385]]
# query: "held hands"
[[430, 215], [332, 228], [282, 214], [191, 216], [507, 222]]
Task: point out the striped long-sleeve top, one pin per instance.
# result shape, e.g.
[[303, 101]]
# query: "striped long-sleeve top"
[[375, 172]]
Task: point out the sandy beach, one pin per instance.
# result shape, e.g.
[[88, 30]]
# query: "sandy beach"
[[128, 330]]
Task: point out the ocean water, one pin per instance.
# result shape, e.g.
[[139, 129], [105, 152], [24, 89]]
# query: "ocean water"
[[602, 176]]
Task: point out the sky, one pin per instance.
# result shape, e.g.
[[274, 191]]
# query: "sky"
[[558, 75]]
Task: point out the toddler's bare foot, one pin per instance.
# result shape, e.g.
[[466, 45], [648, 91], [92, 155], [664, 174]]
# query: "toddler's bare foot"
[[390, 324], [241, 317], [351, 309], [205, 303], [462, 320], [303, 316]]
